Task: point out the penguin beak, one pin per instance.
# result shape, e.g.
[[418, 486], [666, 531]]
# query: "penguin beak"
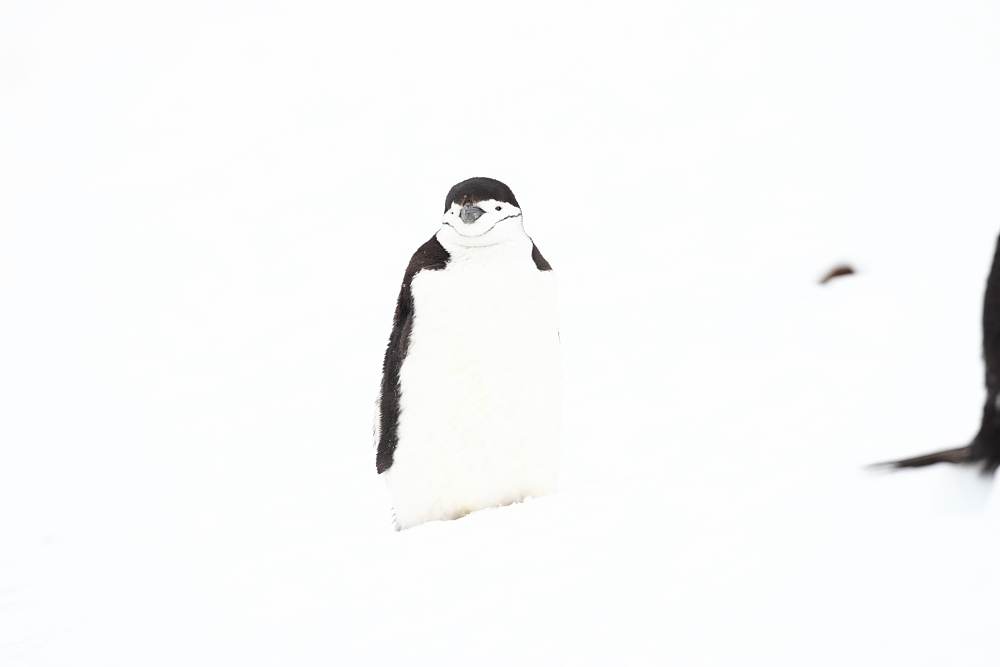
[[470, 213]]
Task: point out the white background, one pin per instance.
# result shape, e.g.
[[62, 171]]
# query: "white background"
[[205, 212]]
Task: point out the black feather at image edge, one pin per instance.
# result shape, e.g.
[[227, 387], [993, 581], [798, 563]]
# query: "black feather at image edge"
[[984, 450]]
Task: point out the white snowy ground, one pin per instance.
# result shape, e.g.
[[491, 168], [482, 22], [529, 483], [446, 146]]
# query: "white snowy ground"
[[205, 210]]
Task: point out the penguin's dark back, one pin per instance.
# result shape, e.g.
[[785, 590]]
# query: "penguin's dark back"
[[991, 326], [986, 446]]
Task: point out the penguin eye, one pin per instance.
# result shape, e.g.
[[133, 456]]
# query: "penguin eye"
[[498, 208]]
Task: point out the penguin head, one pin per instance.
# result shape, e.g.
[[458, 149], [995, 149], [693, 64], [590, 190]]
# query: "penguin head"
[[480, 212]]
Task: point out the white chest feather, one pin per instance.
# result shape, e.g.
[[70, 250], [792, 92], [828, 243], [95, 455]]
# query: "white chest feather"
[[480, 387]]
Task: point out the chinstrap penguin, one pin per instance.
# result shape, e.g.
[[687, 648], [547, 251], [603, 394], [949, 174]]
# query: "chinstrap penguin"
[[469, 408], [984, 450]]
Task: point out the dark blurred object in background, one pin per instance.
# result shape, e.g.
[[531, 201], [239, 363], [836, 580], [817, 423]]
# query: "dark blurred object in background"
[[836, 272]]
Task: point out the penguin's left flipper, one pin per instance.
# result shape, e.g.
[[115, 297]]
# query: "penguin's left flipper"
[[958, 455]]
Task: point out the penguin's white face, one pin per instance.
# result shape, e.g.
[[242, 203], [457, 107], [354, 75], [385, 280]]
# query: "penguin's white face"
[[482, 223]]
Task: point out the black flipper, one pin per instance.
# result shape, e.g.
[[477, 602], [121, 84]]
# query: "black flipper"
[[431, 256], [984, 449], [958, 455], [540, 262], [986, 445]]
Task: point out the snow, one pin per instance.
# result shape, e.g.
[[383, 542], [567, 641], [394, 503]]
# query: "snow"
[[205, 212]]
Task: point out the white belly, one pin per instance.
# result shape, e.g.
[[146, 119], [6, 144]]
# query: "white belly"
[[480, 389]]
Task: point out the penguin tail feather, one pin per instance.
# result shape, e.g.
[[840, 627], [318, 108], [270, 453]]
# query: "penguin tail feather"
[[957, 455]]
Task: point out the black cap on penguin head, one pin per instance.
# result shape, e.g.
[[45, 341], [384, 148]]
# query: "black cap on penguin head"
[[479, 189]]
